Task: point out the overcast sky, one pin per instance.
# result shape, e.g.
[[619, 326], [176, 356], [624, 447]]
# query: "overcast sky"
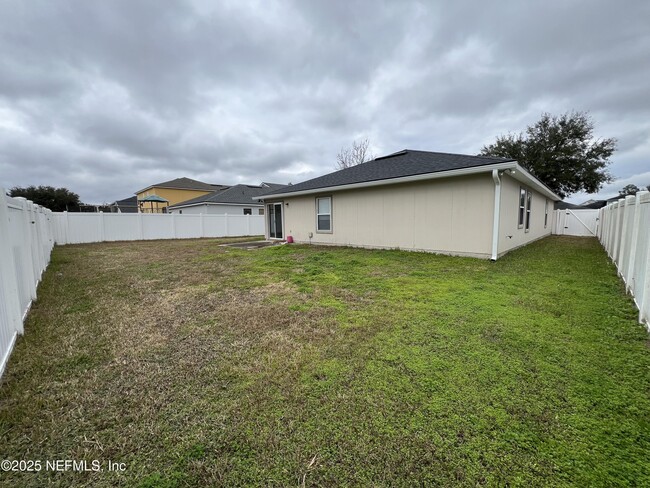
[[107, 97]]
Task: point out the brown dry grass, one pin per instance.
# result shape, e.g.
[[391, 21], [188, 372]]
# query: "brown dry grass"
[[137, 344]]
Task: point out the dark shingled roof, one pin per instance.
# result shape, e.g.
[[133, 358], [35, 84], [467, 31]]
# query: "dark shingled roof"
[[238, 194], [272, 186], [566, 205], [127, 202], [571, 206], [397, 165], [127, 205], [187, 184]]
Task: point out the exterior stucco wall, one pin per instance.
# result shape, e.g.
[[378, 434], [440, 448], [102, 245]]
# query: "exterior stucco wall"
[[217, 209], [450, 215], [508, 217]]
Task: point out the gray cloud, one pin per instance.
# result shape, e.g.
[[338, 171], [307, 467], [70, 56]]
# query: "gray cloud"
[[108, 97]]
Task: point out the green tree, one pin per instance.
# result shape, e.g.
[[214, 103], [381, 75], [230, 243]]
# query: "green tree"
[[628, 190], [631, 189], [56, 199], [561, 151]]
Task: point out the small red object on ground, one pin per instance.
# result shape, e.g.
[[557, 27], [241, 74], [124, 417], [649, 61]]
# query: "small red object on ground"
[[289, 240]]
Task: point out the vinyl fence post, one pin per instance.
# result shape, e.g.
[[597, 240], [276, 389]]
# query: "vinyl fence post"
[[644, 302], [67, 228], [140, 226], [50, 230], [625, 226], [613, 212], [615, 236], [606, 218], [8, 276], [601, 220], [634, 238], [102, 230], [28, 270], [226, 223], [174, 224], [40, 236], [202, 225], [248, 225], [35, 242]]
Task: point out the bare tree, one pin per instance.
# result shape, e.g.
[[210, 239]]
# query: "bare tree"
[[357, 154]]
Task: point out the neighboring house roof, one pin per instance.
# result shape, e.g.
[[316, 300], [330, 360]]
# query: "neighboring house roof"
[[127, 202], [409, 165], [614, 199], [185, 184], [272, 186], [567, 205], [235, 195], [595, 204], [588, 205], [127, 205]]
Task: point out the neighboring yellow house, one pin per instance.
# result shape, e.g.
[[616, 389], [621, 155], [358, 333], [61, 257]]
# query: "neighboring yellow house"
[[173, 191]]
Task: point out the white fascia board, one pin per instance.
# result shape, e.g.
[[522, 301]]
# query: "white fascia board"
[[252, 204], [395, 181]]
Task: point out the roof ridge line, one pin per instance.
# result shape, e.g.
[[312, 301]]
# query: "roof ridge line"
[[398, 153], [458, 154]]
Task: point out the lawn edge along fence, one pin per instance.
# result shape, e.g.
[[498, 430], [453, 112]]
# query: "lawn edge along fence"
[[624, 232], [28, 232], [26, 241]]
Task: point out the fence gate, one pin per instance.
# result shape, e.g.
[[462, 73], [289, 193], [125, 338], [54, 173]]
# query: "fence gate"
[[572, 222]]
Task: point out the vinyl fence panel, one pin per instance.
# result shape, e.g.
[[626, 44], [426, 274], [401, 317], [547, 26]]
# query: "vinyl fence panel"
[[121, 227], [26, 241], [188, 226], [76, 228], [626, 237]]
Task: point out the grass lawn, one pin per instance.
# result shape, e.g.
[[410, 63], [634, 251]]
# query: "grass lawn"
[[199, 365]]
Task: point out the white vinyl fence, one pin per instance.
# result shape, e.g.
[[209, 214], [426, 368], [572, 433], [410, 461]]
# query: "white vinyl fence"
[[76, 228], [28, 232], [572, 222], [625, 234], [26, 240]]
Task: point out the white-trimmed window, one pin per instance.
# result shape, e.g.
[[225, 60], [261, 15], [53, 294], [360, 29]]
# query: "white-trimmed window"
[[522, 208], [324, 214], [248, 211], [529, 204], [546, 213]]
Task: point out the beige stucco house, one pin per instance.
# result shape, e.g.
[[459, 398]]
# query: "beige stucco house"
[[173, 192], [416, 200]]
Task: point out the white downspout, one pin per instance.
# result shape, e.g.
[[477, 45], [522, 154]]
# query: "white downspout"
[[497, 212]]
